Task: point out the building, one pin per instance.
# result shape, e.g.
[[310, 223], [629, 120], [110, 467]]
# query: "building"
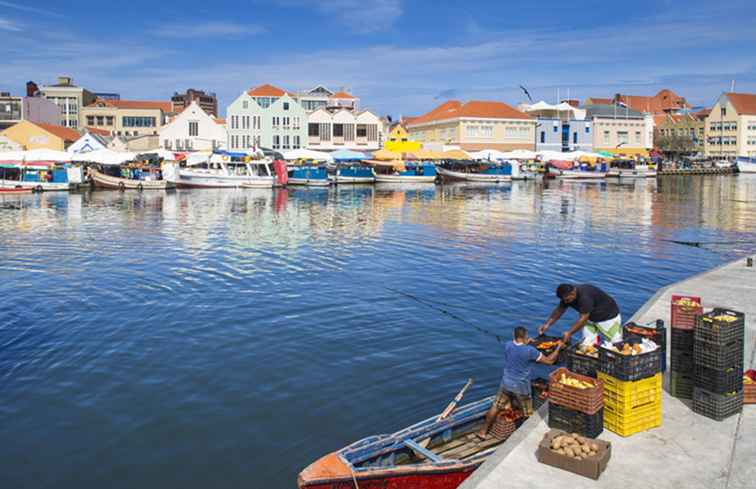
[[90, 141], [731, 126], [690, 126], [399, 140], [332, 129], [70, 99], [561, 127], [268, 117], [34, 109], [321, 97], [7, 144], [194, 130], [206, 101], [664, 102], [620, 129], [474, 125], [30, 135], [127, 117]]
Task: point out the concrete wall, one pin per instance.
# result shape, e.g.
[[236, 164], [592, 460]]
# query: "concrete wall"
[[39, 109]]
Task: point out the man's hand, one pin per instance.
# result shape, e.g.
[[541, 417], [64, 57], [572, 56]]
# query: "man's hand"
[[566, 337], [543, 328]]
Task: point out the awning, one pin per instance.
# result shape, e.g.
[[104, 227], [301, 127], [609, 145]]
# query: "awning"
[[348, 155], [104, 157], [307, 154]]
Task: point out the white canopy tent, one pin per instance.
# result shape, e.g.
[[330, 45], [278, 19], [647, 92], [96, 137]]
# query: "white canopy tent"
[[307, 154], [489, 155], [103, 157], [554, 110], [520, 154], [198, 158]]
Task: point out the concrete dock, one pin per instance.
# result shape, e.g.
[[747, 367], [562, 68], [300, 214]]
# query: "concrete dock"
[[688, 450]]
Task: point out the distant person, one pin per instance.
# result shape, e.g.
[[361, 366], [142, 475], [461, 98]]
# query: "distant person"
[[519, 357], [599, 315]]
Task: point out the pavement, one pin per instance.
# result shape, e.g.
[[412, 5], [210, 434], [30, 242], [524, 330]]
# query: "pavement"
[[688, 450]]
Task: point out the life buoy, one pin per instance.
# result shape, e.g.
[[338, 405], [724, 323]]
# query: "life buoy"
[[140, 187], [523, 167], [121, 186], [225, 157]]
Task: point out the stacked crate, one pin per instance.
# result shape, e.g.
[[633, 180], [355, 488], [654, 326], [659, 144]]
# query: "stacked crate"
[[655, 332], [580, 363], [632, 390], [684, 311], [718, 344], [573, 409]]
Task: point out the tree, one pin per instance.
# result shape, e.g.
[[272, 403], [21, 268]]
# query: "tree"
[[674, 145]]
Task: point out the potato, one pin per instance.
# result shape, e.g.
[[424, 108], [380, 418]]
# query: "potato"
[[556, 442], [560, 451], [568, 451], [578, 457], [594, 447], [586, 449], [592, 453]]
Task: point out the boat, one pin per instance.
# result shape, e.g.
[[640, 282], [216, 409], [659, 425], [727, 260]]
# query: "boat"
[[403, 172], [139, 178], [630, 169], [308, 174], [15, 190], [567, 170], [340, 173], [437, 454], [40, 176], [226, 170], [476, 171], [746, 165]]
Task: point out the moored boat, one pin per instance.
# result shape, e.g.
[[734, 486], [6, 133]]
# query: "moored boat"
[[311, 175], [341, 173], [474, 171], [569, 171], [226, 170], [15, 190], [630, 169], [40, 176], [438, 454], [746, 165], [403, 172], [117, 181]]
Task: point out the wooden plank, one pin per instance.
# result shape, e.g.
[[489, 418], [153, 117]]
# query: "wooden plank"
[[419, 450]]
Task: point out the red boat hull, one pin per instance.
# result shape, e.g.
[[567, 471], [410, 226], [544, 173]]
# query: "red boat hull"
[[448, 480], [16, 190]]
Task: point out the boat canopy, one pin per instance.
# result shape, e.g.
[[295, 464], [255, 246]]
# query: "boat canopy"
[[457, 154], [35, 155], [489, 154], [387, 155], [348, 155], [103, 157], [307, 154]]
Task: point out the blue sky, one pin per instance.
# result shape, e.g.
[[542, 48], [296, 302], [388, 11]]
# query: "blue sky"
[[401, 57]]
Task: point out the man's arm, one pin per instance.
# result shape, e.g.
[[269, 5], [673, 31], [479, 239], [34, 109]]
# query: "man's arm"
[[578, 325], [550, 359], [553, 317]]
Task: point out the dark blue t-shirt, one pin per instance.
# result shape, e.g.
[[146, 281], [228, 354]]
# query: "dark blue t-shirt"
[[518, 362]]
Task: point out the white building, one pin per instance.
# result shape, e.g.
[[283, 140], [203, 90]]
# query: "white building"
[[344, 129], [88, 142], [193, 130]]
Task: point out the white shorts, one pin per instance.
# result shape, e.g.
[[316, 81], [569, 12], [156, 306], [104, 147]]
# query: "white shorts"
[[610, 330]]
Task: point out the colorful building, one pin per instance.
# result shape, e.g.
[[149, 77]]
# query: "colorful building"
[[33, 109], [731, 126], [194, 130], [70, 99], [127, 118], [562, 127], [689, 125], [333, 129], [398, 140], [621, 130], [30, 135]]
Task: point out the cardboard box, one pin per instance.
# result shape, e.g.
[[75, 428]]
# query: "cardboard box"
[[591, 467]]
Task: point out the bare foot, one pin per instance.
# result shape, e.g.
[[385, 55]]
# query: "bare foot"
[[482, 435]]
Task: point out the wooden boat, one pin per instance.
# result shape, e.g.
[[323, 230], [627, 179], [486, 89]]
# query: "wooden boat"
[[403, 172], [350, 173], [630, 169], [15, 190], [308, 175], [491, 172], [102, 180], [406, 459]]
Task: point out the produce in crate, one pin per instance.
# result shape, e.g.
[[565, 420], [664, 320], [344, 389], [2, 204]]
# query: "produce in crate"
[[573, 382], [588, 350], [631, 350], [687, 302], [574, 446]]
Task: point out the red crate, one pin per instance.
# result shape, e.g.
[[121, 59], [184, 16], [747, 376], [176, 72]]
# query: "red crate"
[[587, 401], [684, 317], [749, 390]]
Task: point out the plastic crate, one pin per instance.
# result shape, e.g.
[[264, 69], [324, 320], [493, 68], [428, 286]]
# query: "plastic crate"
[[640, 419], [503, 427], [681, 385], [717, 406], [720, 332], [562, 418], [718, 381], [629, 367], [684, 317], [656, 333], [718, 357], [539, 392], [579, 363], [626, 395], [586, 401], [749, 390], [681, 340], [681, 361]]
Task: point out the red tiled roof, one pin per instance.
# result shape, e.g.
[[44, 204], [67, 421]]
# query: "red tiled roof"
[[598, 101], [135, 104], [744, 103], [266, 91], [101, 132], [701, 114], [343, 95], [474, 108], [64, 133], [664, 101]]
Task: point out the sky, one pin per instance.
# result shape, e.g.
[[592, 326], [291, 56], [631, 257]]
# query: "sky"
[[400, 57]]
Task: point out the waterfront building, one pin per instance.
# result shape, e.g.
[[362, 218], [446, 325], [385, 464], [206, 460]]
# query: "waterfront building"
[[690, 126], [7, 144], [268, 117], [193, 130], [333, 129], [474, 125], [561, 127], [207, 101], [91, 140], [664, 102], [398, 140], [127, 117], [70, 99], [621, 130], [321, 97], [731, 126], [30, 108], [31, 135]]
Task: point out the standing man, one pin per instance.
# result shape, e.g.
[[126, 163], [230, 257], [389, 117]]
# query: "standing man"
[[598, 313], [519, 357]]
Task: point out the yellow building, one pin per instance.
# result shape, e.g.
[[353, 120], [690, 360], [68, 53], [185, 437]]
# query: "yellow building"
[[399, 141], [30, 135], [731, 126], [127, 117], [690, 126], [474, 126]]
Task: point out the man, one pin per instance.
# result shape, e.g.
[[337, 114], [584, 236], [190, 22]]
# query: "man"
[[519, 356], [599, 315]]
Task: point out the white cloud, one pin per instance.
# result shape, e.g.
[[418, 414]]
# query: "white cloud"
[[210, 29], [9, 25], [359, 16], [33, 10]]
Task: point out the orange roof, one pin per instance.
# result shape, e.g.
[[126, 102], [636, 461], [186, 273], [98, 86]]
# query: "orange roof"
[[101, 132], [64, 133], [598, 101], [744, 103], [219, 120], [701, 114], [266, 91], [135, 104], [343, 95], [664, 101], [474, 108]]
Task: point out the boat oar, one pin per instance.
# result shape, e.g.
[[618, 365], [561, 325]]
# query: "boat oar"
[[446, 412]]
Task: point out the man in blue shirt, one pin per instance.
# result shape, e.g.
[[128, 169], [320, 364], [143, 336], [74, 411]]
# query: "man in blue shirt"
[[519, 357]]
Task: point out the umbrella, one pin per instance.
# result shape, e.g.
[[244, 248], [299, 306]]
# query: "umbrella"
[[348, 155], [388, 155]]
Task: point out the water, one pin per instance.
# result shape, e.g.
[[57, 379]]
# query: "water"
[[227, 339]]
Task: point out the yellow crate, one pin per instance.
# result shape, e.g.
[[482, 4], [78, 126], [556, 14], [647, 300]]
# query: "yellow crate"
[[625, 387], [629, 425], [628, 395], [623, 414]]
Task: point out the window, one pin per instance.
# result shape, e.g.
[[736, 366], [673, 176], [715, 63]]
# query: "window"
[[245, 105], [276, 142], [264, 102], [606, 137], [556, 128], [297, 143], [723, 111], [100, 120], [188, 143], [313, 129], [543, 137], [167, 144], [361, 130], [286, 105], [90, 120], [325, 131], [511, 132], [249, 141], [296, 122], [286, 142], [338, 130], [286, 121], [587, 129], [193, 128], [109, 120], [276, 121], [637, 137], [623, 137], [574, 137]]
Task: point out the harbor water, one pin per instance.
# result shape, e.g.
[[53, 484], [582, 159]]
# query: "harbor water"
[[226, 339]]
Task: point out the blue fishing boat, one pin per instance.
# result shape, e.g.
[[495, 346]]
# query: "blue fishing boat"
[[347, 167], [403, 171], [40, 176], [309, 174]]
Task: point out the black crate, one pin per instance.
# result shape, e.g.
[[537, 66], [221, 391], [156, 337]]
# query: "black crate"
[[681, 340], [718, 357], [539, 392], [571, 421], [681, 361], [720, 332], [681, 385], [657, 333], [719, 381], [538, 342], [717, 406], [580, 364], [629, 367]]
